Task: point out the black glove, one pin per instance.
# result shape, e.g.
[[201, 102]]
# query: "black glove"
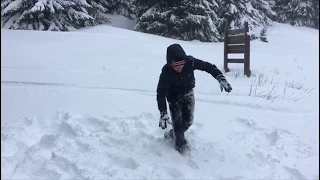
[[224, 83], [164, 118]]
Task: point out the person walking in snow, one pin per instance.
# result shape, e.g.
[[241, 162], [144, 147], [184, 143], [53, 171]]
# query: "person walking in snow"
[[176, 83]]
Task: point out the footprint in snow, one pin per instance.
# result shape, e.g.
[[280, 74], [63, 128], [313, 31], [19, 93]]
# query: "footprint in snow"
[[123, 162], [47, 141], [66, 129], [28, 121], [192, 164], [174, 173], [63, 115], [294, 172]]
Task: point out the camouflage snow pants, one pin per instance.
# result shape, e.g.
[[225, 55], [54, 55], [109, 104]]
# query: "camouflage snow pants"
[[182, 109]]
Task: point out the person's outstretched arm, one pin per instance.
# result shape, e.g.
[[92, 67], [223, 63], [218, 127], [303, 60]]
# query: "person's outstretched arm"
[[214, 71], [206, 66]]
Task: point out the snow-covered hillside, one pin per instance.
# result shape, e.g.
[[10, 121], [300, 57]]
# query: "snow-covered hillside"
[[82, 105]]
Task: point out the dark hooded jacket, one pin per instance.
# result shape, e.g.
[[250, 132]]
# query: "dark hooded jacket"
[[172, 83]]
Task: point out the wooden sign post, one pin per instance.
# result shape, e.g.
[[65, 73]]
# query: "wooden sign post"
[[237, 41]]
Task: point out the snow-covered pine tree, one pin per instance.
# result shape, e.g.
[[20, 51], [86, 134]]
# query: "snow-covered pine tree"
[[263, 35], [54, 15], [123, 7], [237, 12], [265, 7], [315, 17], [298, 12], [141, 6], [183, 19], [5, 3], [100, 9]]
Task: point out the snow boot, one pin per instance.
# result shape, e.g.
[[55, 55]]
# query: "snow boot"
[[181, 143], [168, 134]]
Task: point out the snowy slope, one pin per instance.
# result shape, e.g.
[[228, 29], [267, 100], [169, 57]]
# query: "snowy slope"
[[121, 21], [82, 105]]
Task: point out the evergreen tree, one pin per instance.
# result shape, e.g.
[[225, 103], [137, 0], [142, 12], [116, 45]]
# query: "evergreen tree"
[[237, 12], [141, 6], [266, 9], [298, 12], [263, 35], [123, 7], [100, 9], [5, 3], [315, 17], [184, 19], [55, 15]]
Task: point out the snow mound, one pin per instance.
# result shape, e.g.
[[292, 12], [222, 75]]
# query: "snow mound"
[[72, 146]]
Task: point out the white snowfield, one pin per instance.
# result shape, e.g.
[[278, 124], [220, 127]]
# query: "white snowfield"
[[82, 105]]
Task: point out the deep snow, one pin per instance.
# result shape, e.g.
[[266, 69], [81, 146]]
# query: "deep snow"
[[82, 105]]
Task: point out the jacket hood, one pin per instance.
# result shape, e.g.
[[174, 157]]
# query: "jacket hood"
[[175, 53]]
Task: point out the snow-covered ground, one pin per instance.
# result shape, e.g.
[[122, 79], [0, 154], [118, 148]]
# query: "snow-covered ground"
[[82, 105], [121, 22]]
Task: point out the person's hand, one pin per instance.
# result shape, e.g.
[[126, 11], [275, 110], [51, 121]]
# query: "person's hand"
[[164, 119], [224, 85]]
